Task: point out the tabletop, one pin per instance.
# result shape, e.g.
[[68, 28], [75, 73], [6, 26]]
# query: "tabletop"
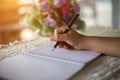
[[104, 67]]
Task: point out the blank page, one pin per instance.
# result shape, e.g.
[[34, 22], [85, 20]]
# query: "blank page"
[[44, 64], [82, 56], [23, 67]]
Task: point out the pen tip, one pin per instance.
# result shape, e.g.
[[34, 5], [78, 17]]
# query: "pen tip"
[[53, 49]]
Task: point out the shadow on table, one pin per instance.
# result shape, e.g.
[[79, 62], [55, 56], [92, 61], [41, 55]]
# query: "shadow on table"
[[1, 78]]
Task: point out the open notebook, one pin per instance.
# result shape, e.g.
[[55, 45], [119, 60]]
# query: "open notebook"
[[44, 64]]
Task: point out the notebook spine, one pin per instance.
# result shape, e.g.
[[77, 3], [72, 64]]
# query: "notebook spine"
[[44, 57]]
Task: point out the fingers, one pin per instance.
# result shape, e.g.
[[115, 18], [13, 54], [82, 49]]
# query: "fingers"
[[58, 34], [59, 30], [61, 37], [63, 45], [53, 38]]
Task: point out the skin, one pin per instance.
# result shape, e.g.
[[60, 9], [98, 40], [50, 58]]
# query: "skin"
[[75, 40]]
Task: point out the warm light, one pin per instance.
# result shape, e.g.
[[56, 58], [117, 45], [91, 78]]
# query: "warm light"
[[27, 1], [27, 34], [25, 9]]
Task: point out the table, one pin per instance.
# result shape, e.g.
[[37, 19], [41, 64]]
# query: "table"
[[103, 68]]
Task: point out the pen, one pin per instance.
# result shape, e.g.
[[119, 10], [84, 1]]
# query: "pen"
[[69, 27]]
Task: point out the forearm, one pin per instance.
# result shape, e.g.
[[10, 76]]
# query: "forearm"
[[106, 45]]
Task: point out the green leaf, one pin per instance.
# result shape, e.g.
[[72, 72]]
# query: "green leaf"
[[81, 25]]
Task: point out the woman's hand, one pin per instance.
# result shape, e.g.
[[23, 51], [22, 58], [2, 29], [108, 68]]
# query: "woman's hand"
[[71, 39]]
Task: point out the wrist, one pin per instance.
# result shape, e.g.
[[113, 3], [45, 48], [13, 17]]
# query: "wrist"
[[89, 42], [83, 43]]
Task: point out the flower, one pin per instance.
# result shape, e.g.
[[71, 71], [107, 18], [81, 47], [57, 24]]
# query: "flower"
[[46, 15], [65, 9], [50, 21], [74, 26], [76, 7], [67, 18], [59, 3], [45, 6], [40, 1]]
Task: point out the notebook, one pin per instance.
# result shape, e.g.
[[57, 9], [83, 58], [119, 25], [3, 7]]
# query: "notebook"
[[44, 64]]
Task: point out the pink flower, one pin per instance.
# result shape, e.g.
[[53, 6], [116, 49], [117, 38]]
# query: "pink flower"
[[66, 18], [76, 7], [59, 3], [74, 26], [50, 21], [45, 6]]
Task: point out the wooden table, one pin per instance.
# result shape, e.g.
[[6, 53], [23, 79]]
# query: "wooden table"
[[103, 68]]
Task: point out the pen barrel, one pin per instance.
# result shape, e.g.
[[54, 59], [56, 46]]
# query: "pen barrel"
[[72, 21], [66, 31]]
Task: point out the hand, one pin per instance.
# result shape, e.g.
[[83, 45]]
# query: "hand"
[[72, 39]]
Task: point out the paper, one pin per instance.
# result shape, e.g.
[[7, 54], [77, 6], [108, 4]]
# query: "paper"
[[28, 68], [66, 54], [44, 64]]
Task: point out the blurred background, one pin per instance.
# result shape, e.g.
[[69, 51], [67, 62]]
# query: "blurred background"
[[95, 13]]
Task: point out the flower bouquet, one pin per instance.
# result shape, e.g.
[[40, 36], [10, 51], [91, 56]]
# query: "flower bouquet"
[[46, 15]]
